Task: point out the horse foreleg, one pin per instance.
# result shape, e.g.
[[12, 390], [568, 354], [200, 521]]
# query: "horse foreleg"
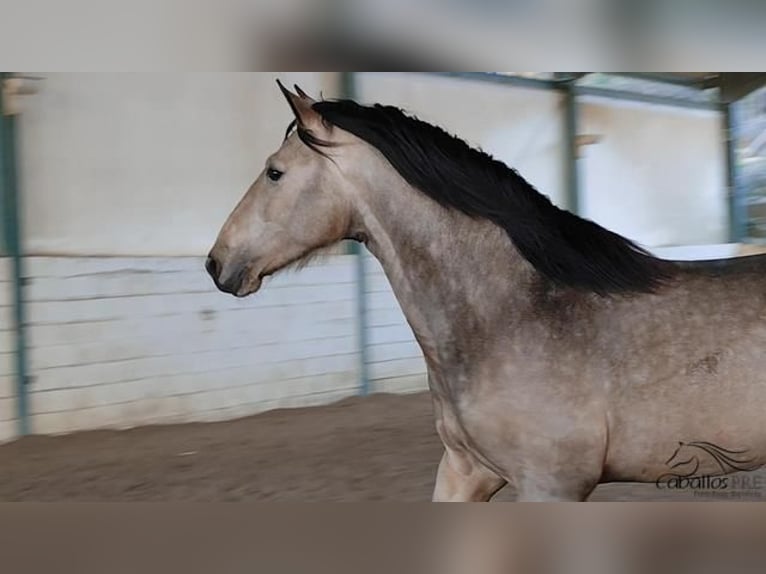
[[461, 478], [544, 486]]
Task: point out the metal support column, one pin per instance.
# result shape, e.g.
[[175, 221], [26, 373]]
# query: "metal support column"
[[735, 201], [348, 90], [11, 227], [571, 152]]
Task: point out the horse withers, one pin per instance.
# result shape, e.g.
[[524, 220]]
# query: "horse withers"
[[560, 355]]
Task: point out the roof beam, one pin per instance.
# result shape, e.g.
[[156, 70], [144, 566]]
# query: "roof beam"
[[567, 78], [646, 98], [694, 82], [737, 85], [496, 78]]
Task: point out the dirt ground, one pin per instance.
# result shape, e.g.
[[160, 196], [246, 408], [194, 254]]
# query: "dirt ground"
[[378, 448]]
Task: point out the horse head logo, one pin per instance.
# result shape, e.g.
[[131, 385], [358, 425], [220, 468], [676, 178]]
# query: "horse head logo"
[[689, 457]]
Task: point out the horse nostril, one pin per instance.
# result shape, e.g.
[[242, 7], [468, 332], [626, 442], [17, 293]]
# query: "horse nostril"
[[212, 267]]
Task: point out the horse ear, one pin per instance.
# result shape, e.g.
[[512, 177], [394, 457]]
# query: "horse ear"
[[301, 105], [303, 94]]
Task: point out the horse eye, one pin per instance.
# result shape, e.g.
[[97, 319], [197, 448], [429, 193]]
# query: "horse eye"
[[274, 174]]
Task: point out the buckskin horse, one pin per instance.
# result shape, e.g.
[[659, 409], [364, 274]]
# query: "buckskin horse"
[[559, 354]]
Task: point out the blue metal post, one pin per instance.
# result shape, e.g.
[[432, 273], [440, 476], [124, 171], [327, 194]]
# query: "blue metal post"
[[12, 234], [348, 90], [570, 148], [736, 203]]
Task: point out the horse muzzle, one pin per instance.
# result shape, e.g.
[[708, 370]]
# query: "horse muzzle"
[[237, 280]]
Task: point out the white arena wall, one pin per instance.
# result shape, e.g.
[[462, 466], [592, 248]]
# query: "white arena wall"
[[126, 180], [116, 342], [119, 342], [657, 175], [144, 164]]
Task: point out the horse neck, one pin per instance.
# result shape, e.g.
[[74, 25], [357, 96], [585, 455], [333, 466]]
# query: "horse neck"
[[457, 279]]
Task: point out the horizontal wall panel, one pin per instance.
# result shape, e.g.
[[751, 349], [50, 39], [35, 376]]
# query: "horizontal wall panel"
[[118, 342], [8, 414]]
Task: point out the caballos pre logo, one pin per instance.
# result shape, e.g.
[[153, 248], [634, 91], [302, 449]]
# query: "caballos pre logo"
[[687, 460]]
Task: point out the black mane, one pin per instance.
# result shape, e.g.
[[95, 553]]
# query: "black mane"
[[566, 249]]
